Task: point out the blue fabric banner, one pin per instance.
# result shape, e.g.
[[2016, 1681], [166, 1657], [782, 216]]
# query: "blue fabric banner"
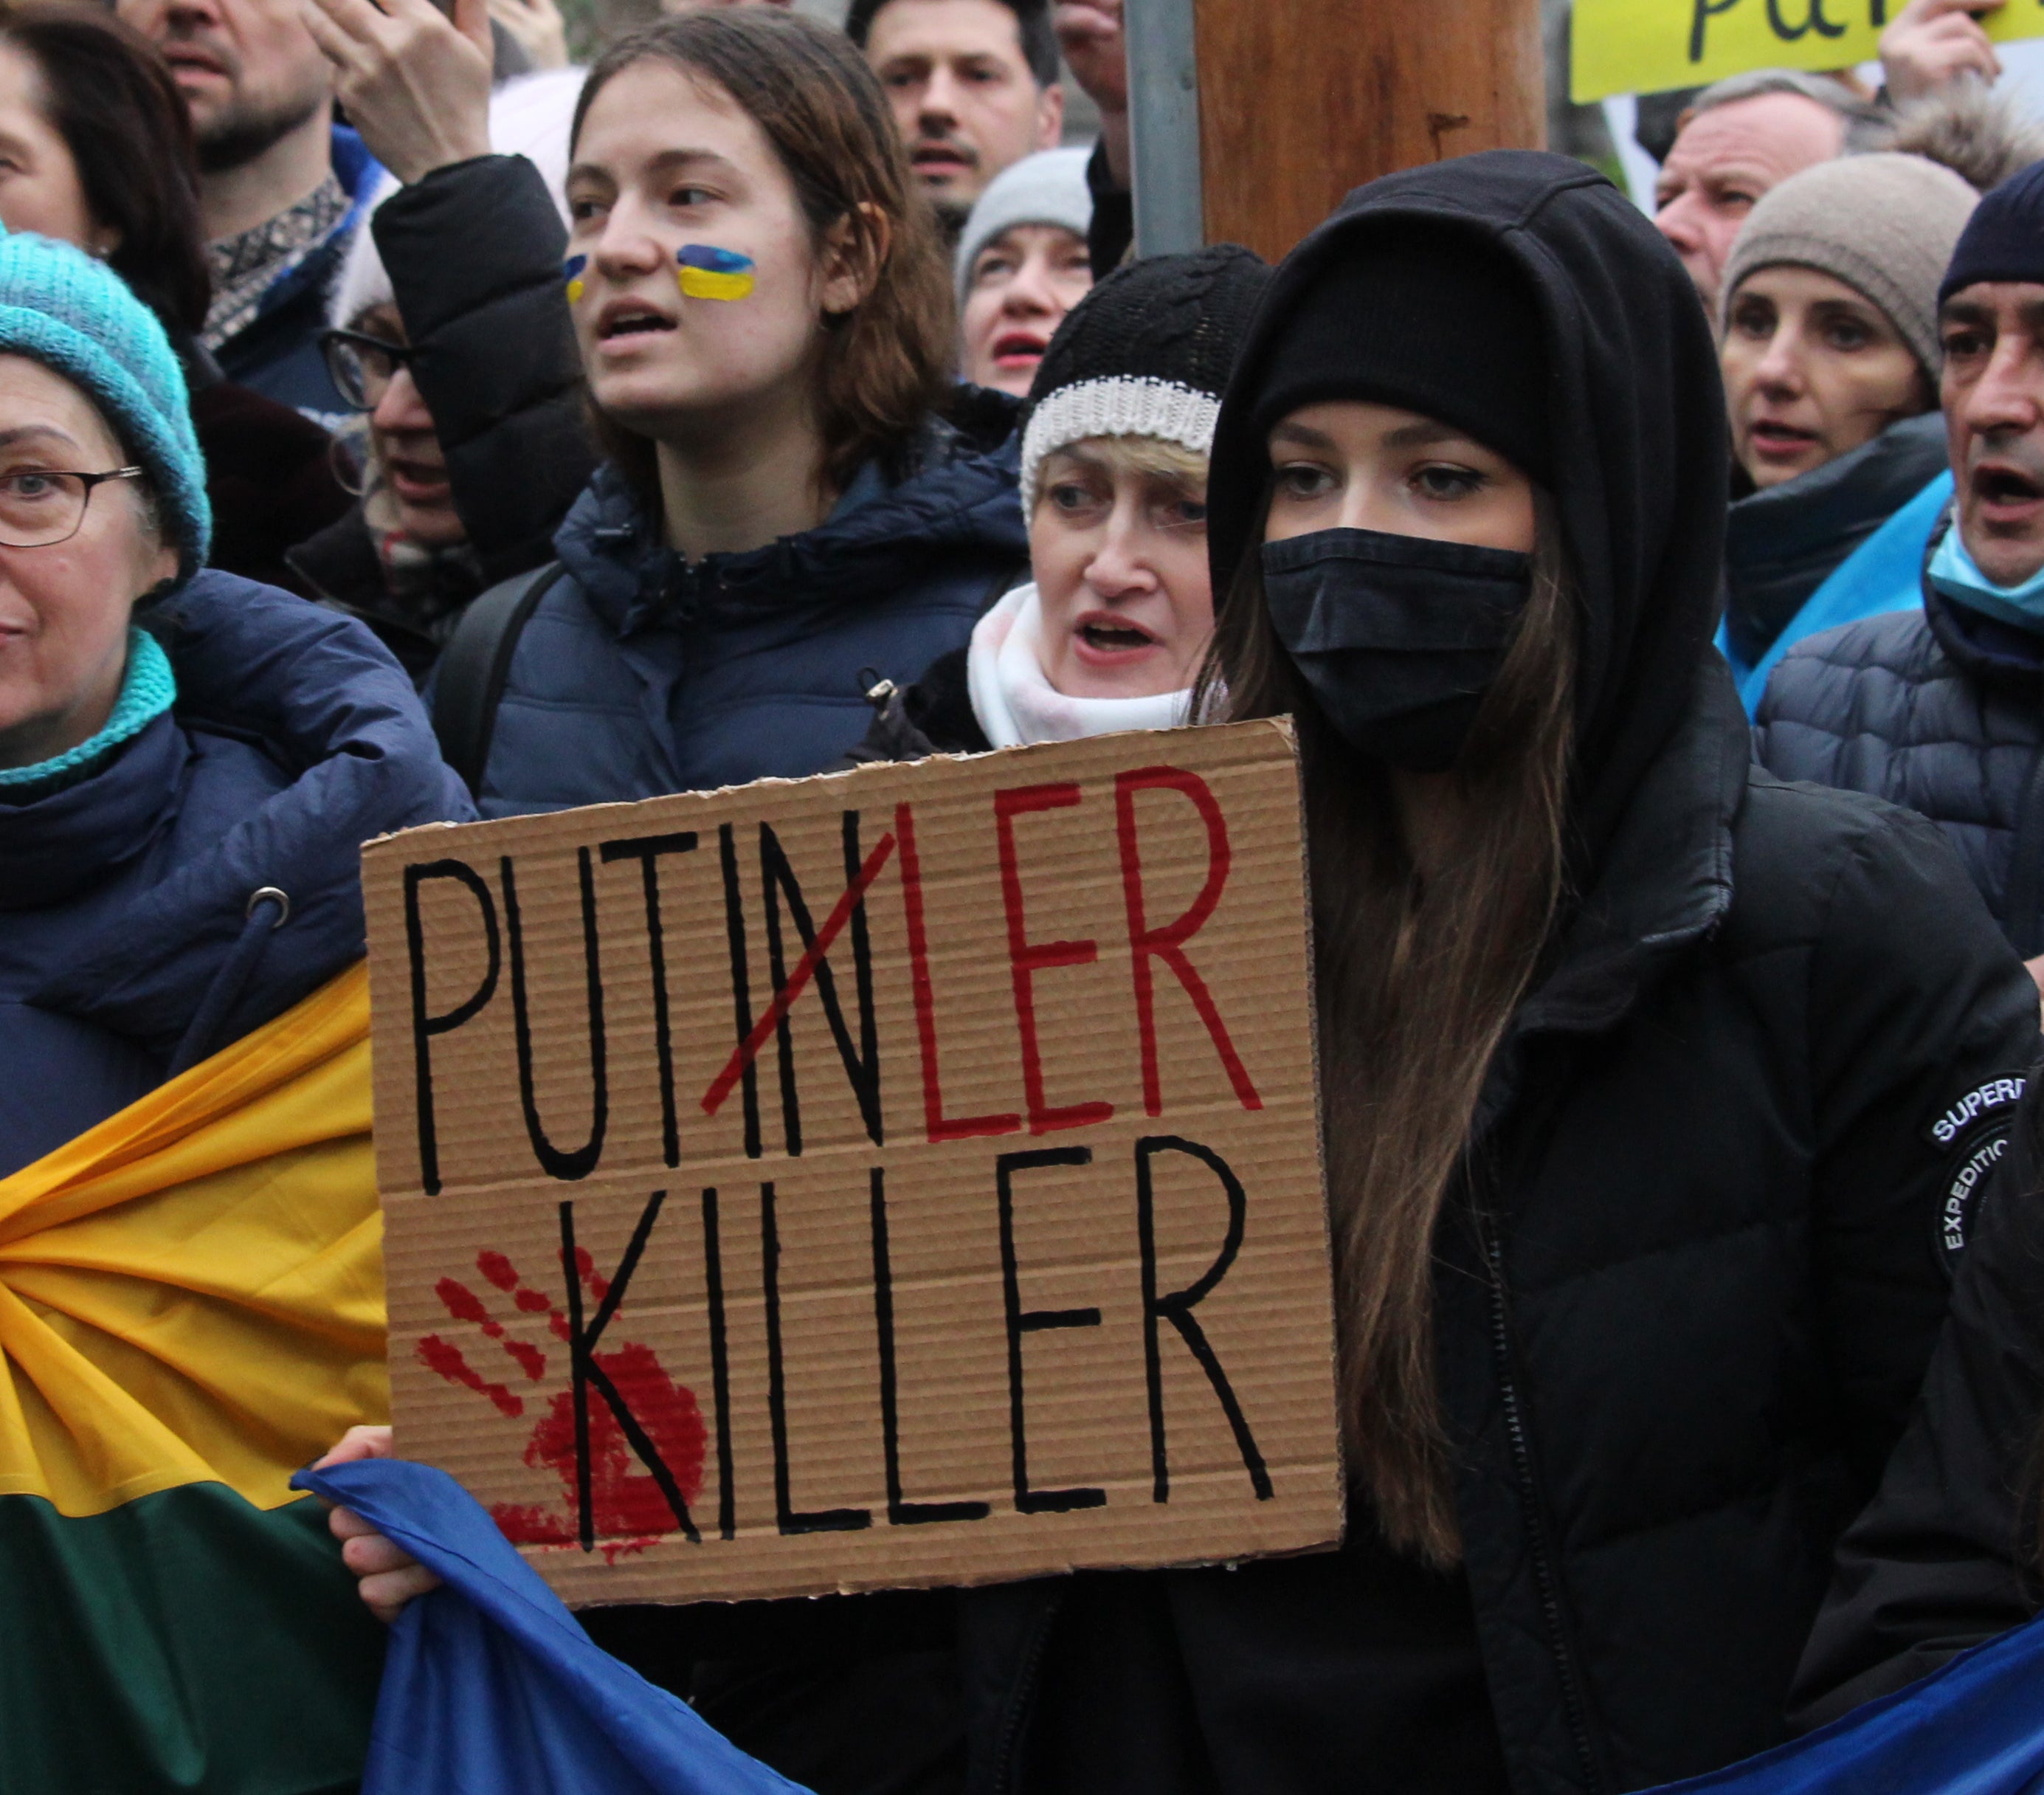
[[490, 1688], [1974, 1727]]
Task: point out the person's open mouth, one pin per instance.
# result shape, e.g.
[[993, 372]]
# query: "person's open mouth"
[[1101, 638], [623, 324], [1022, 349], [1774, 441], [418, 482], [2006, 495]]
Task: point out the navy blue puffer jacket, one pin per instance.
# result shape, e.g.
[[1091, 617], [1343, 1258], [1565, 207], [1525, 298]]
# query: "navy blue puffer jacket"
[[295, 738], [640, 673], [1940, 710]]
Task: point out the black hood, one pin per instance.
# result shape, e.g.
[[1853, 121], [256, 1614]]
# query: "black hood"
[[1637, 419]]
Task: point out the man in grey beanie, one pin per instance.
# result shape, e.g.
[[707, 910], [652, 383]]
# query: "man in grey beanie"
[[1831, 360]]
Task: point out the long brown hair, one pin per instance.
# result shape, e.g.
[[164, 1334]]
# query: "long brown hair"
[[1418, 974], [888, 363]]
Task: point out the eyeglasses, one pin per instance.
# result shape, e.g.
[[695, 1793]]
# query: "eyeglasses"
[[40, 507], [362, 366]]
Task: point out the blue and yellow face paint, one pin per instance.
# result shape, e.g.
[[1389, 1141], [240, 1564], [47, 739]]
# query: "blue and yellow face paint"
[[708, 273], [571, 272]]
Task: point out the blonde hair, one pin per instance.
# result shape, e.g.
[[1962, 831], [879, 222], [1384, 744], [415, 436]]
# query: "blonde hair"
[[1145, 457]]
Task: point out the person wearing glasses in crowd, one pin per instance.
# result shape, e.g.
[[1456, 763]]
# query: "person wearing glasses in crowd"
[[406, 559]]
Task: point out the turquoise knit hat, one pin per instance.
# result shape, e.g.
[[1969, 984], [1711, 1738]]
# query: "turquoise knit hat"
[[61, 307]]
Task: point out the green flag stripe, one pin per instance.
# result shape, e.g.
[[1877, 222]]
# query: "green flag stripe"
[[186, 1641]]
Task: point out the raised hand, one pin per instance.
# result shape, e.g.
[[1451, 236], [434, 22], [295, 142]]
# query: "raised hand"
[[415, 84], [1934, 41]]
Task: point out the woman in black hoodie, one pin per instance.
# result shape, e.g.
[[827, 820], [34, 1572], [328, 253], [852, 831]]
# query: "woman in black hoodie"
[[1633, 1057]]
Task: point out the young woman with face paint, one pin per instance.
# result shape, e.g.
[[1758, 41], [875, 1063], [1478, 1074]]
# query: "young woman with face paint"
[[794, 486]]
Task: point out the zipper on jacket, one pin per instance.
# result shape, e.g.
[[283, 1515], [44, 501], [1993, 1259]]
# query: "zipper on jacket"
[[1575, 1710], [1023, 1698]]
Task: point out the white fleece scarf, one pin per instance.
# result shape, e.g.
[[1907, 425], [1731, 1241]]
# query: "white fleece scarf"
[[1016, 705]]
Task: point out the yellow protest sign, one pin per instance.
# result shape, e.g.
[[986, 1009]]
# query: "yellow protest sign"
[[1644, 46]]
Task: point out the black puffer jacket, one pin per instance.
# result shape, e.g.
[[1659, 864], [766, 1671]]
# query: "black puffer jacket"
[[473, 252], [1941, 710], [1947, 1555], [1686, 1293]]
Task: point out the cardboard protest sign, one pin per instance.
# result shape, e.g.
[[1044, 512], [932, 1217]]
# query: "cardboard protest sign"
[[903, 1177], [1644, 46]]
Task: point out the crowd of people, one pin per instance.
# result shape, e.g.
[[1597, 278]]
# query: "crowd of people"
[[397, 426]]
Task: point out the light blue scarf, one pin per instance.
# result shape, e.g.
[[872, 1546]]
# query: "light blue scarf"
[[1954, 574], [148, 689]]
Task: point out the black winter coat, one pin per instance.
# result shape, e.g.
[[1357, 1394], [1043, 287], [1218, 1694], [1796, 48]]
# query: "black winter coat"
[[1687, 1288], [1947, 1554], [1686, 1302], [473, 252], [1941, 710]]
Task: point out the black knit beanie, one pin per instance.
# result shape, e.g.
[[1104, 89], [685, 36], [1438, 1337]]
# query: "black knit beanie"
[[1428, 319], [1146, 353], [2004, 238]]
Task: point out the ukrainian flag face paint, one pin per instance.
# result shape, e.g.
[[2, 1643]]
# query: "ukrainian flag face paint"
[[708, 273], [571, 272]]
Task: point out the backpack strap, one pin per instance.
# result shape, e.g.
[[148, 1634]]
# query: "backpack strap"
[[468, 682]]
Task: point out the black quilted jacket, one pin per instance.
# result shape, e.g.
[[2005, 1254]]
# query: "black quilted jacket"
[[1940, 710]]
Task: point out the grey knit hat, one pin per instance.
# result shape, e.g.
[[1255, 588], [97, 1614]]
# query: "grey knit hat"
[[1047, 188], [1884, 224]]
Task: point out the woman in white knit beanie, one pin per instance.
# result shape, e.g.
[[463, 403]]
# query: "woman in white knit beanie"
[[1830, 357]]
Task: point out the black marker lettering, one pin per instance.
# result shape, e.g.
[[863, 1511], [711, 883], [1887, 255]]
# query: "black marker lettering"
[[425, 1027], [741, 990], [720, 1368], [1706, 11], [647, 850], [899, 1513], [580, 1162], [1022, 1321], [587, 1372], [1177, 1307], [789, 1519]]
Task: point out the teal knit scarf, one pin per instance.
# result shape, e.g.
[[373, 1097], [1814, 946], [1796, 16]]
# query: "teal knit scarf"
[[148, 689]]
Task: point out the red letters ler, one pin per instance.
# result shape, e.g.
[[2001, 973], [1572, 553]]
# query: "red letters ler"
[[1026, 958], [1168, 944]]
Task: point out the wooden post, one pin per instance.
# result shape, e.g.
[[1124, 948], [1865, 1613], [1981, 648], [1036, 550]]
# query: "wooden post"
[[1301, 100]]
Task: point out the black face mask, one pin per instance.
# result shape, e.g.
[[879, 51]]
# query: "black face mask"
[[1398, 638]]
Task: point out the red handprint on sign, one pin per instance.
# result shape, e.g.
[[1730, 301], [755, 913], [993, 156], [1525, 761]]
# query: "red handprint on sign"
[[645, 1435]]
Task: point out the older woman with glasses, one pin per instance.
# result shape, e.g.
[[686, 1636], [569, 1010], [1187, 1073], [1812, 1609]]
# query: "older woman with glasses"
[[189, 761]]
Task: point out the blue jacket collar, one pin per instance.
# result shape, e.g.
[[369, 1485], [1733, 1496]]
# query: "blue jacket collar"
[[959, 492]]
